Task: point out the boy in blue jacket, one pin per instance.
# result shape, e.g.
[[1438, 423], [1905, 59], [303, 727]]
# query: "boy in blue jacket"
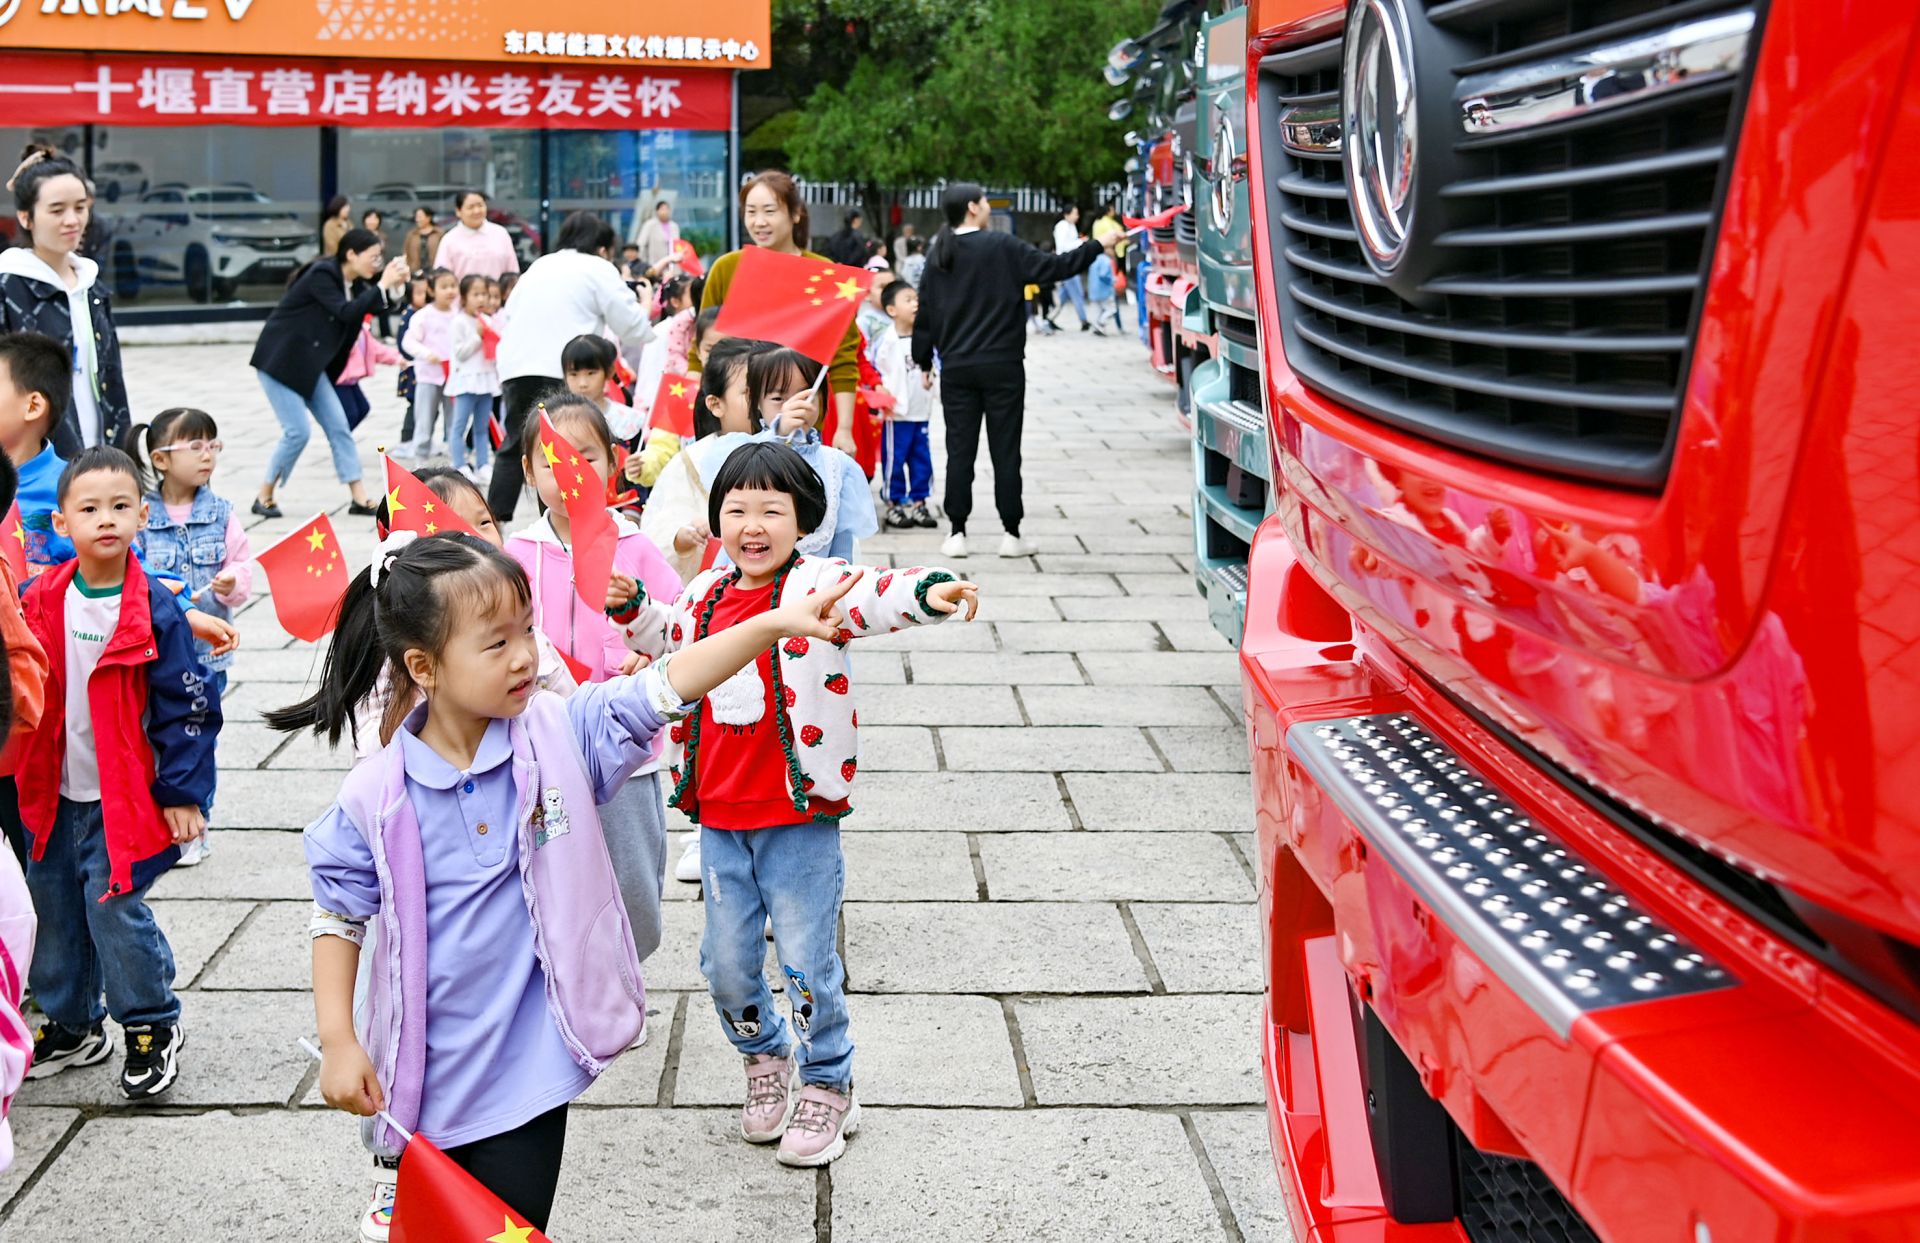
[[112, 783]]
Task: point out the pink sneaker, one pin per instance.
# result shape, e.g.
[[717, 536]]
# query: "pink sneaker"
[[821, 1123], [769, 1098]]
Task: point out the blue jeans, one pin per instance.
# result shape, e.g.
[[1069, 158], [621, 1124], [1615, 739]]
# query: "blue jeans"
[[909, 462], [795, 874], [217, 678], [1076, 292], [292, 409], [470, 410], [87, 945]]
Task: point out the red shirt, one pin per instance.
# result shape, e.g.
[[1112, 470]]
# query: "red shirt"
[[741, 778]]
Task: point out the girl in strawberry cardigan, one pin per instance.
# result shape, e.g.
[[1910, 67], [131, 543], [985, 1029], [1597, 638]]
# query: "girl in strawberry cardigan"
[[765, 765]]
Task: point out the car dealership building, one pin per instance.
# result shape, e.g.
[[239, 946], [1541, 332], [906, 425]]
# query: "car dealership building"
[[215, 130]]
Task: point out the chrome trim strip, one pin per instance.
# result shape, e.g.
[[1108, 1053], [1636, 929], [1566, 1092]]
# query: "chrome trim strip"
[[1644, 67], [1311, 129], [1518, 897]]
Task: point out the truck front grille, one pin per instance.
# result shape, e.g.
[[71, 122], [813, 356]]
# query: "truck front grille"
[[1509, 1200], [1568, 262]]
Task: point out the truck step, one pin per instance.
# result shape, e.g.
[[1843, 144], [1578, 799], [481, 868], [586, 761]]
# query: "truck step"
[[1539, 915]]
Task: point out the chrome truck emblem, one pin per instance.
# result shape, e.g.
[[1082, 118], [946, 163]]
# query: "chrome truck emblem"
[[1378, 122]]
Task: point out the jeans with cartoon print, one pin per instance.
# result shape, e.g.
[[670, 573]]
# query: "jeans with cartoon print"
[[793, 873]]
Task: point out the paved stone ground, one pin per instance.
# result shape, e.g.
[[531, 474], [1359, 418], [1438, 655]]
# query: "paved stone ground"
[[1049, 927]]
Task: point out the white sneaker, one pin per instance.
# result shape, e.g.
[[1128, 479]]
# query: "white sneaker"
[[688, 868], [954, 546], [195, 852], [377, 1222], [1014, 546]]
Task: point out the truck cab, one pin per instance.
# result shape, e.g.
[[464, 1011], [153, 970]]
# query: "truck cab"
[[1581, 664]]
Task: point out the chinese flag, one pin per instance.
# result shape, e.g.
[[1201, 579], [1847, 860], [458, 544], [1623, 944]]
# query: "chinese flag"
[[13, 543], [438, 1202], [489, 339], [708, 557], [308, 578], [581, 674], [590, 526], [412, 506], [804, 304], [673, 405], [496, 432], [1159, 220]]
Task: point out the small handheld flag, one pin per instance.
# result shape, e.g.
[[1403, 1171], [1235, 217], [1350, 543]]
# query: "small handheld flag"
[[804, 304], [590, 527], [13, 543], [412, 506], [308, 577], [673, 405]]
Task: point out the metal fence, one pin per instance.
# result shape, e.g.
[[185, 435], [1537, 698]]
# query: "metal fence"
[[927, 198]]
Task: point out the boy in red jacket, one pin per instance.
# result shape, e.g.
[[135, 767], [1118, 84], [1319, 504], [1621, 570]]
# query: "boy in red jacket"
[[112, 782]]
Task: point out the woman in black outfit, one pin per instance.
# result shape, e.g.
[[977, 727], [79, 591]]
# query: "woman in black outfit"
[[304, 346], [973, 311]]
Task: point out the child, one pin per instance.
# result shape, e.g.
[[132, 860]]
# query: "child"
[[909, 457], [645, 467], [1100, 295], [657, 356], [915, 262], [871, 315], [589, 362], [195, 536], [429, 340], [504, 979], [780, 388], [588, 637], [107, 820], [473, 381], [419, 293], [675, 518], [765, 766]]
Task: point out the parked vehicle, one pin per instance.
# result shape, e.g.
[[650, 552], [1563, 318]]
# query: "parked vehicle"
[[208, 239], [1218, 341], [1581, 664], [396, 201]]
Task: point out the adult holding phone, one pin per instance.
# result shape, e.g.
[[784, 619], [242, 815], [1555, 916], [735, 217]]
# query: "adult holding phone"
[[303, 348], [575, 291], [973, 311]]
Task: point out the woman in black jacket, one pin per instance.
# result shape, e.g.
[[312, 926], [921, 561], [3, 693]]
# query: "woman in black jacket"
[[973, 311], [303, 347], [47, 286]]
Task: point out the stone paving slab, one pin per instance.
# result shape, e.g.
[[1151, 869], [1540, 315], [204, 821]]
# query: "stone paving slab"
[[990, 947], [1202, 947], [261, 799], [1217, 749], [1112, 867], [995, 669], [1122, 705], [271, 952], [246, 863], [954, 705], [1159, 1050], [1060, 636], [908, 1050], [1241, 1152], [305, 1171], [1160, 668], [1132, 608], [908, 867], [1078, 748], [1189, 635], [195, 930], [36, 1130], [1003, 1177], [963, 802], [1182, 802]]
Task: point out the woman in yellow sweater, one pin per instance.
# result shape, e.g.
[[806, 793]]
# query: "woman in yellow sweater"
[[776, 217]]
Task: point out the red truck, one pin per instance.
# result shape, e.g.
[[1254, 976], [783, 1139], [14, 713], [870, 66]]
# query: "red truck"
[[1582, 652]]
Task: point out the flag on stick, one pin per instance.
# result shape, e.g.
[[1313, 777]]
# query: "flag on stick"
[[804, 304], [437, 1202], [1159, 220], [496, 432], [413, 506], [308, 577], [13, 543], [590, 526], [673, 405]]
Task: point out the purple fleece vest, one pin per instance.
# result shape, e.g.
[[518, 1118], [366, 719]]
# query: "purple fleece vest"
[[580, 930]]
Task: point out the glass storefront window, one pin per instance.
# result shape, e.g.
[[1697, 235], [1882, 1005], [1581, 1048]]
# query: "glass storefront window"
[[203, 215], [396, 170], [621, 174]]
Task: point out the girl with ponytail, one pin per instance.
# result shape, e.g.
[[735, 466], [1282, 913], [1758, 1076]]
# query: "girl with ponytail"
[[504, 973]]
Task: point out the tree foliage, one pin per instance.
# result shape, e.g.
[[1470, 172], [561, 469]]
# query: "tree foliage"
[[904, 92]]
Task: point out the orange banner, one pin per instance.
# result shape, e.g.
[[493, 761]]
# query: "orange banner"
[[717, 34]]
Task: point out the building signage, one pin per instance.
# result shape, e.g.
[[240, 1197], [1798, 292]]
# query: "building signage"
[[732, 34], [63, 89]]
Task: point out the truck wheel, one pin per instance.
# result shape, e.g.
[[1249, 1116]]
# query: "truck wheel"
[[198, 271]]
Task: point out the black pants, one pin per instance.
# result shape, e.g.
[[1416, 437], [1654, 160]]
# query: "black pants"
[[995, 393], [518, 396], [521, 1166], [10, 823]]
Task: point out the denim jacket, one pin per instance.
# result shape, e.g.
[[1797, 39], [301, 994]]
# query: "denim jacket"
[[194, 553]]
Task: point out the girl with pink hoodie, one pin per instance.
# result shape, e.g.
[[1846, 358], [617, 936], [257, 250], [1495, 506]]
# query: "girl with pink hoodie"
[[594, 647]]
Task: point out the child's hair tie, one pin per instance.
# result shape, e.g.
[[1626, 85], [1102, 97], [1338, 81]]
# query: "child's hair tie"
[[390, 547]]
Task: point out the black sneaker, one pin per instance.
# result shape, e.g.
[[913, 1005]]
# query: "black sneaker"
[[898, 518], [266, 509], [55, 1048], [153, 1059], [920, 516]]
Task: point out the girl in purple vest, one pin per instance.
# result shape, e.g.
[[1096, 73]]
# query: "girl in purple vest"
[[503, 977]]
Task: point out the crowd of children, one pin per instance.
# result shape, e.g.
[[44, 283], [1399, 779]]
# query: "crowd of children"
[[503, 834]]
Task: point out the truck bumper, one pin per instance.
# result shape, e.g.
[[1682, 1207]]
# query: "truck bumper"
[[1757, 1098]]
